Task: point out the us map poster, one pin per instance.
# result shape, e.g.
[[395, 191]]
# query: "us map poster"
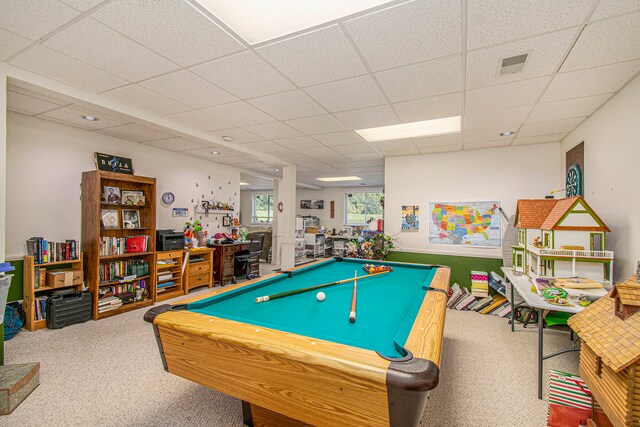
[[465, 223]]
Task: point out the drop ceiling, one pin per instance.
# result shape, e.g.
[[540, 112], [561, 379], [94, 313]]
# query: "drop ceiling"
[[299, 98]]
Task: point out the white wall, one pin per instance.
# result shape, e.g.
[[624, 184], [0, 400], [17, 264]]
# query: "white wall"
[[505, 174], [612, 173], [45, 161]]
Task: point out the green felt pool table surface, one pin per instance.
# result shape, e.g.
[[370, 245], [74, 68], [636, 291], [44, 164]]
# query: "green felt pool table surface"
[[386, 305]]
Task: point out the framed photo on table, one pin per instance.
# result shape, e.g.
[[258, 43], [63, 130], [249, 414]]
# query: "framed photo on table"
[[133, 198], [112, 195], [131, 218]]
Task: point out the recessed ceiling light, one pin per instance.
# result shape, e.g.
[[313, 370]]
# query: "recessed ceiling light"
[[410, 130], [90, 118], [513, 64], [276, 170], [507, 133], [227, 138], [215, 153], [244, 183], [258, 20], [340, 178]]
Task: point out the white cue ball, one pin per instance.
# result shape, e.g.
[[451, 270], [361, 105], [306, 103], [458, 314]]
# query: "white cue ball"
[[320, 296]]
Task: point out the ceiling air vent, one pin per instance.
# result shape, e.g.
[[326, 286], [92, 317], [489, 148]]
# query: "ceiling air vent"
[[513, 64]]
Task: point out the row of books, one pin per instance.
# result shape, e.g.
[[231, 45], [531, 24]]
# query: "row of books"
[[112, 297], [461, 299], [122, 245], [113, 271], [109, 303], [41, 308], [43, 251]]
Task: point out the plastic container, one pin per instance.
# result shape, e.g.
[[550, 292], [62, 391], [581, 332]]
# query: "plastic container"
[[5, 282]]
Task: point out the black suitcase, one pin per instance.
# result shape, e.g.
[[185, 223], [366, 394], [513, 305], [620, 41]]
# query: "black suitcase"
[[68, 308]]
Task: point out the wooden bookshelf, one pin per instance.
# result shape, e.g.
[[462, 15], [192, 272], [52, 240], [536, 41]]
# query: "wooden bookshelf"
[[93, 183], [175, 269], [30, 292]]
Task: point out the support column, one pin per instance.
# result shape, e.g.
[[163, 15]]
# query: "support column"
[[3, 182], [277, 223], [287, 195]]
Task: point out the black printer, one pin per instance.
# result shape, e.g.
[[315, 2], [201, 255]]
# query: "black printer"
[[169, 240]]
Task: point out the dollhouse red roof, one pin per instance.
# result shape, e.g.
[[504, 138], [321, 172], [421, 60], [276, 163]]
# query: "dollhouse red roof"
[[615, 340], [531, 213], [560, 210]]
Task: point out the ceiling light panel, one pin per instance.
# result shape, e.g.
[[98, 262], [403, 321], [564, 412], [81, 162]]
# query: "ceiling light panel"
[[410, 130], [257, 21], [340, 178]]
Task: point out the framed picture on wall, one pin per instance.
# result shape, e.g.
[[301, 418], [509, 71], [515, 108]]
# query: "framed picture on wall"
[[226, 221], [111, 163], [311, 204], [180, 212]]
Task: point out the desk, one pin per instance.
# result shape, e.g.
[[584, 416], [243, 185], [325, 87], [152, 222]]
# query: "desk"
[[223, 261], [297, 359], [522, 284]]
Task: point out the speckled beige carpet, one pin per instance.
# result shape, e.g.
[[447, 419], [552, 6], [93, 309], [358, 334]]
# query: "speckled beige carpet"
[[108, 373]]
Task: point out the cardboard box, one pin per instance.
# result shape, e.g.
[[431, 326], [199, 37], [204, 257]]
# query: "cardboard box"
[[62, 278]]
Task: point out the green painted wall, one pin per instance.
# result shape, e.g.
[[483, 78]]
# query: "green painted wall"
[[461, 266]]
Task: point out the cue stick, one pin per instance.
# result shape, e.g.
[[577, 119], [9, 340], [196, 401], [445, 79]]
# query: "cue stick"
[[352, 314], [311, 288]]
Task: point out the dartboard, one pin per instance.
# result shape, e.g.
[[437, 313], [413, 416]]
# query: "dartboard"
[[574, 181]]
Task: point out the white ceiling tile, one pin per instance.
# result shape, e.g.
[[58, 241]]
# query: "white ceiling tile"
[[497, 21], [593, 81], [140, 97], [485, 144], [198, 120], [71, 115], [240, 114], [365, 156], [438, 140], [239, 135], [288, 105], [34, 19], [407, 33], [606, 42], [422, 80], [509, 119], [11, 43], [320, 56], [354, 148], [440, 149], [541, 139], [264, 146], [82, 5], [172, 28], [508, 95], [298, 143], [430, 108], [136, 132], [349, 94], [339, 138], [545, 53], [550, 127], [576, 107], [48, 62], [100, 46], [370, 117], [482, 135], [231, 160], [244, 75], [317, 124], [372, 163], [333, 158], [290, 155], [54, 99], [24, 104], [608, 8], [176, 144], [400, 147], [189, 89], [319, 152], [274, 130]]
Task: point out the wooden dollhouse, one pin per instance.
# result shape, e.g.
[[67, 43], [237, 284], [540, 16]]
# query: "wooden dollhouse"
[[610, 352], [561, 238]]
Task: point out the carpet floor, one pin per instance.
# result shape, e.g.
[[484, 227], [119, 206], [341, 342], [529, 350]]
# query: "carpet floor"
[[109, 373]]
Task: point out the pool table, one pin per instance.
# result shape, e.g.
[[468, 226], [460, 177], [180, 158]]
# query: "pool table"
[[300, 361]]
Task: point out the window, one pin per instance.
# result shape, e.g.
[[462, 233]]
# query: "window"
[[262, 208], [546, 240], [361, 207], [519, 260]]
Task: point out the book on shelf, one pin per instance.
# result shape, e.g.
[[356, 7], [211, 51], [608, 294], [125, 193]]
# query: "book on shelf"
[[167, 276], [122, 245], [499, 308], [166, 284], [40, 312], [44, 251], [497, 301], [497, 283], [118, 270], [465, 303], [483, 303], [480, 283]]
